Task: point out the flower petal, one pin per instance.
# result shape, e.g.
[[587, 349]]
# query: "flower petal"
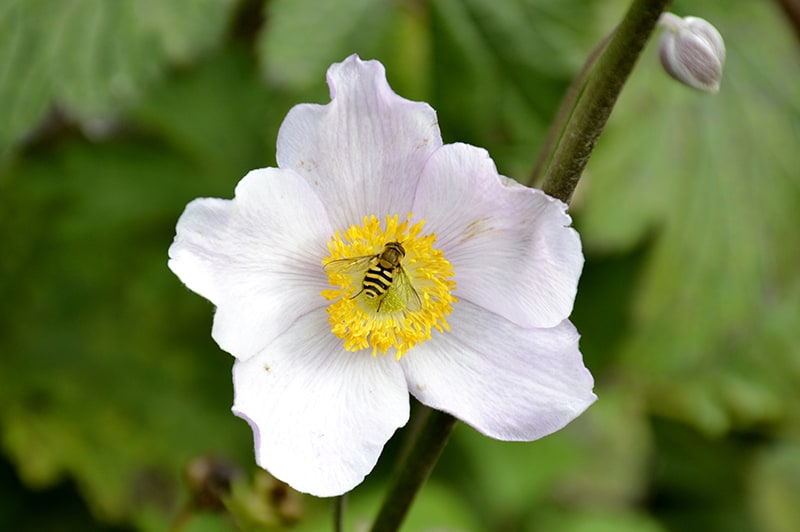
[[257, 257], [363, 152], [511, 246], [320, 415], [508, 382]]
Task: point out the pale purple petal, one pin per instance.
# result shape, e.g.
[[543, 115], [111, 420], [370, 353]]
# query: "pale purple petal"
[[320, 415], [511, 247], [257, 257], [364, 151], [508, 382]]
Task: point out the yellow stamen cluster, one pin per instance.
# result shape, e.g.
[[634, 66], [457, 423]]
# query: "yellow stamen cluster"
[[386, 322]]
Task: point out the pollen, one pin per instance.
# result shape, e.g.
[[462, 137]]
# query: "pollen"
[[387, 297]]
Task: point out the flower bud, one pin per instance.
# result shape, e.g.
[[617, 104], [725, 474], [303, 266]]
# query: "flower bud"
[[692, 51]]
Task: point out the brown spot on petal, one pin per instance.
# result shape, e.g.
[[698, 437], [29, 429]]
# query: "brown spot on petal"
[[308, 166], [475, 228]]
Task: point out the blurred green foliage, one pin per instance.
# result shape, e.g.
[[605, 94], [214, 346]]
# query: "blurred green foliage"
[[116, 114]]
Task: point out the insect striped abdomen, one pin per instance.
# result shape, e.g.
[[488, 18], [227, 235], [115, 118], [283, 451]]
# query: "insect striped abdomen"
[[377, 280]]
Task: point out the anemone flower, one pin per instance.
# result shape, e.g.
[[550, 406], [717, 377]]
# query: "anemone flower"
[[376, 261]]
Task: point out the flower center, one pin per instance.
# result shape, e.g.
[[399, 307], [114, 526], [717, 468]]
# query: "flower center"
[[392, 286]]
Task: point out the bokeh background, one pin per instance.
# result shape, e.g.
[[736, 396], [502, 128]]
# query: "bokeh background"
[[115, 114]]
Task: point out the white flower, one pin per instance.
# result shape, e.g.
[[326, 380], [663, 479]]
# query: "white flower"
[[323, 371], [692, 51]]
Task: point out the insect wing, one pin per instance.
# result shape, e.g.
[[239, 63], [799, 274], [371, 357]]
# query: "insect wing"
[[349, 264], [405, 290]]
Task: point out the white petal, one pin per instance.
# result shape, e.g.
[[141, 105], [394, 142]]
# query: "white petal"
[[320, 415], [257, 257], [511, 246], [364, 151], [508, 382]]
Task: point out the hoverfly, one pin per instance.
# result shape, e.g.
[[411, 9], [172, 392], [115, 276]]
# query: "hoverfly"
[[384, 271]]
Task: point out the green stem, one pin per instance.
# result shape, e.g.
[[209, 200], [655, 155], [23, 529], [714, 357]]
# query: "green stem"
[[414, 470], [338, 513], [599, 96], [564, 111]]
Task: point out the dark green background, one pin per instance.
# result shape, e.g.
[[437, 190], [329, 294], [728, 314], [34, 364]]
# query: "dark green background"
[[115, 114]]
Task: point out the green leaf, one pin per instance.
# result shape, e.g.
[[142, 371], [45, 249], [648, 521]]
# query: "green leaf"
[[108, 374], [510, 479], [24, 72], [775, 485], [699, 481], [501, 68], [602, 458], [713, 183], [303, 37], [596, 521], [218, 115], [90, 57]]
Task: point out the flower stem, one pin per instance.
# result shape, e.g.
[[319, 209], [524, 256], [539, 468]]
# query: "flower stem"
[[338, 512], [565, 109], [414, 469], [596, 101]]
